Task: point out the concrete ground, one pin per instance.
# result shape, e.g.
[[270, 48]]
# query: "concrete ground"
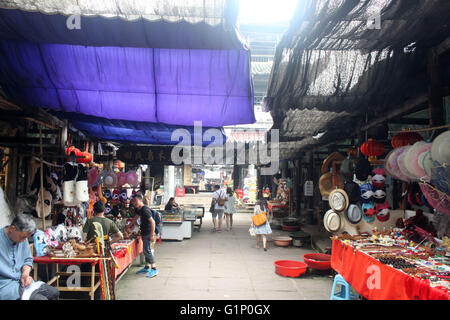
[[221, 266]]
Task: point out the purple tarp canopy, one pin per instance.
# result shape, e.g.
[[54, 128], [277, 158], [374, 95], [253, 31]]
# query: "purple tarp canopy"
[[148, 74]]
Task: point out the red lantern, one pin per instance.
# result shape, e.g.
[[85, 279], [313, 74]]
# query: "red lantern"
[[405, 138], [372, 149]]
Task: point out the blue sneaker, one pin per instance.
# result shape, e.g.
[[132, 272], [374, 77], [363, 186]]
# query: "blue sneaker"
[[152, 273], [143, 270]]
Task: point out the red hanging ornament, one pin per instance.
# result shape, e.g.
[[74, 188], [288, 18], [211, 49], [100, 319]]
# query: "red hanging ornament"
[[372, 149], [405, 138]]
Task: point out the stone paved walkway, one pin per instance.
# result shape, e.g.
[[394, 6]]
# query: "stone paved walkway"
[[223, 266]]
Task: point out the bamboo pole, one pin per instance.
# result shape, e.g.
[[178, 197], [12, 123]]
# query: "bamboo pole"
[[42, 179]]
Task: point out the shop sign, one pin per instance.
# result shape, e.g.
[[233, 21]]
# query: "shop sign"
[[145, 155], [309, 189]]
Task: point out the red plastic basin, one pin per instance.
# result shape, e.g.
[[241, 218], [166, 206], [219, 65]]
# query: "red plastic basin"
[[318, 261], [290, 268]]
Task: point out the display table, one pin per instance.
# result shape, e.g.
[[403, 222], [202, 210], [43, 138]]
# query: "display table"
[[173, 230], [360, 269], [123, 259], [70, 261], [276, 205]]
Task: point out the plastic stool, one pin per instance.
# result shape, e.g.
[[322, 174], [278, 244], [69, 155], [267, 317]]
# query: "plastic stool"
[[345, 292]]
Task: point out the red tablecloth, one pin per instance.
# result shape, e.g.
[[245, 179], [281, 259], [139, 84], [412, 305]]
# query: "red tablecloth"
[[135, 249], [377, 281], [50, 260]]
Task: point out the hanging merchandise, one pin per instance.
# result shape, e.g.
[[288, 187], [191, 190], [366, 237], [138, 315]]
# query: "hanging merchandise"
[[382, 211], [378, 178], [132, 178], [440, 149], [379, 195], [121, 179], [47, 204], [70, 174], [372, 149], [338, 200], [363, 169], [109, 179], [366, 192], [81, 186], [405, 138], [353, 191], [328, 162], [437, 199], [369, 212], [391, 166], [94, 177], [332, 221], [115, 197], [327, 183], [347, 168], [353, 214], [100, 194], [401, 162], [123, 196], [412, 162]]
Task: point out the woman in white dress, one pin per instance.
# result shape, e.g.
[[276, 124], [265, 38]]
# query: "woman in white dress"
[[230, 208], [262, 230]]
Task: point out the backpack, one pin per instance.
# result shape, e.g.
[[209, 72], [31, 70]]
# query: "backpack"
[[221, 201], [157, 218]]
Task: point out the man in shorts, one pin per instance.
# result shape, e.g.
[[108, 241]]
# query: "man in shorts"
[[218, 200]]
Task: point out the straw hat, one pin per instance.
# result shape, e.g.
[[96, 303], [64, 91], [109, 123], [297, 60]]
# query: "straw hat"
[[338, 200], [326, 183], [332, 221], [440, 148], [353, 214], [329, 161]]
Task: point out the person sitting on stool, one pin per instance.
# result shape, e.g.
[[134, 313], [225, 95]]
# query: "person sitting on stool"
[[16, 262]]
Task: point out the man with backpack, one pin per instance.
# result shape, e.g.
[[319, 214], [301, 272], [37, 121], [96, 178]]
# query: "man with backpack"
[[148, 234], [218, 206]]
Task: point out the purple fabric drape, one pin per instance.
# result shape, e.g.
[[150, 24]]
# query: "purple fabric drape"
[[171, 86]]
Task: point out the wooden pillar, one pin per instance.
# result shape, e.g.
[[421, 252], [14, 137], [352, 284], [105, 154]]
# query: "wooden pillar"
[[435, 102]]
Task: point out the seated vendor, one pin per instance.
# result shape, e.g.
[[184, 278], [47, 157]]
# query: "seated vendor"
[[109, 227], [16, 262], [171, 204]]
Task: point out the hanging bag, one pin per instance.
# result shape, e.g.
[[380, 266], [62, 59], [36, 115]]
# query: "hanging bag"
[[259, 219]]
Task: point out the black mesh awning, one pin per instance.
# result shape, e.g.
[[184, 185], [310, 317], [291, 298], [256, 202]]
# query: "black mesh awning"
[[335, 64]]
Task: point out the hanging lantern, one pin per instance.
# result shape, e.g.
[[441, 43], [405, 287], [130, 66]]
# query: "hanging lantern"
[[372, 149], [405, 138]]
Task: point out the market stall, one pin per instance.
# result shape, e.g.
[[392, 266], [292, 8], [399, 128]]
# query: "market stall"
[[177, 225], [388, 267]]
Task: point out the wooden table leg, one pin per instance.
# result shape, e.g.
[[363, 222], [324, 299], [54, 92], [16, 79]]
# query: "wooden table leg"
[[35, 271], [92, 281]]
